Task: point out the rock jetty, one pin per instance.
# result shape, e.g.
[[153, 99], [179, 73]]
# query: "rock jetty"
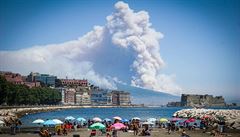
[[231, 117]]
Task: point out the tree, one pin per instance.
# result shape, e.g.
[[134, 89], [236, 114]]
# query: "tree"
[[12, 94]]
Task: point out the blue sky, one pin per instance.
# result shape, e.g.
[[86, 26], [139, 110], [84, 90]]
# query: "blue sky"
[[201, 44]]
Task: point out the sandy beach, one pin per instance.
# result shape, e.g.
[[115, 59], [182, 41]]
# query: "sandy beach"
[[156, 132]]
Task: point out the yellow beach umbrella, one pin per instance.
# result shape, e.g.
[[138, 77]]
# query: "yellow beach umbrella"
[[163, 120]]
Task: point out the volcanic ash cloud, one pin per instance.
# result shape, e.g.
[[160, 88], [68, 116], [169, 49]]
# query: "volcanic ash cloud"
[[131, 29], [125, 28]]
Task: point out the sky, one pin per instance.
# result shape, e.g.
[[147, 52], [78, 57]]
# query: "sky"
[[176, 46]]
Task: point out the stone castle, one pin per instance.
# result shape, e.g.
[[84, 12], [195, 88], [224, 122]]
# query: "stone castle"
[[202, 100]]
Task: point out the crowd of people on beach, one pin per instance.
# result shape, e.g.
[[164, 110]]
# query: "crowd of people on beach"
[[137, 127]]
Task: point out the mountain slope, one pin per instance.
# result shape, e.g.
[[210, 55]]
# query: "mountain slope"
[[148, 97]]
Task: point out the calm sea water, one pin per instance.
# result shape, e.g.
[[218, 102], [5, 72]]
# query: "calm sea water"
[[89, 113]]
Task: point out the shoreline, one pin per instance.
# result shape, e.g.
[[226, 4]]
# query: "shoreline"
[[16, 112]]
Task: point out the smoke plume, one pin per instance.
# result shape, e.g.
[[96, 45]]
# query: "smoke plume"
[[133, 29], [125, 28]]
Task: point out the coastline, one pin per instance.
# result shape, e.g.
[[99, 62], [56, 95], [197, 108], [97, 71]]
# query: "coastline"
[[16, 112]]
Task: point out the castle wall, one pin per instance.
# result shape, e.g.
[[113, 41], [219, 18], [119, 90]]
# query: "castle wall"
[[202, 100]]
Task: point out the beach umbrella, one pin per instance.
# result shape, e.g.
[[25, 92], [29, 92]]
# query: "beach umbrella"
[[97, 119], [80, 119], [175, 119], [186, 121], [118, 118], [107, 120], [58, 121], [70, 118], [118, 126], [125, 120], [97, 126], [136, 118], [49, 123], [148, 123], [152, 119], [163, 120], [38, 121]]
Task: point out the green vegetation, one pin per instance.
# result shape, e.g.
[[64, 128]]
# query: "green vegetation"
[[11, 94]]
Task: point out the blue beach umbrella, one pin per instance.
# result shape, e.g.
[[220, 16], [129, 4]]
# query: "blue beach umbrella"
[[107, 120], [49, 123], [80, 119], [125, 120]]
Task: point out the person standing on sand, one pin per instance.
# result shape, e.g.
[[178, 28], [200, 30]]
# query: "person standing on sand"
[[114, 132], [135, 128]]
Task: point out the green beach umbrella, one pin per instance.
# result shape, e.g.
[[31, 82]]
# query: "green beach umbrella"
[[97, 126], [163, 120]]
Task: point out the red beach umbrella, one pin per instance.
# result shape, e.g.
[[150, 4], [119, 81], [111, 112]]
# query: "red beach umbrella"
[[175, 119]]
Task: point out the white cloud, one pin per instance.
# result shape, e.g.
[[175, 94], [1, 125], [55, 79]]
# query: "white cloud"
[[126, 28], [63, 59]]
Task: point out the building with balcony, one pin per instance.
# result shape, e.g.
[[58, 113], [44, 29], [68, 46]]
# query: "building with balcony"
[[70, 96], [120, 98], [83, 96], [101, 97]]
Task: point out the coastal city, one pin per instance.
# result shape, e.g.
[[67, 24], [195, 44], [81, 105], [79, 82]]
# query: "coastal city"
[[72, 91]]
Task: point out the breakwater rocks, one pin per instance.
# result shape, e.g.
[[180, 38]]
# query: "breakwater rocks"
[[231, 117]]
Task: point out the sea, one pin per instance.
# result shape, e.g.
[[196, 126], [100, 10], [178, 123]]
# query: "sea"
[[89, 113]]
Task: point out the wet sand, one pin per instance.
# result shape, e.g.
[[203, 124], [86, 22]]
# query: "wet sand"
[[154, 133]]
